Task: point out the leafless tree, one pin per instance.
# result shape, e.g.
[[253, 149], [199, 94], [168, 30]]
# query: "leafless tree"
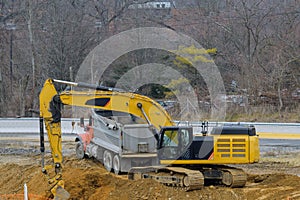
[[257, 42]]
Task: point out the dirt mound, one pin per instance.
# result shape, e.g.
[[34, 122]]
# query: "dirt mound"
[[273, 186], [14, 176], [87, 179]]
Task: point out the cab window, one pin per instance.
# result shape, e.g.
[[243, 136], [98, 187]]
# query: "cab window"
[[170, 138]]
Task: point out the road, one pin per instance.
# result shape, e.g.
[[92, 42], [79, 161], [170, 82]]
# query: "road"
[[279, 146], [265, 130], [274, 137]]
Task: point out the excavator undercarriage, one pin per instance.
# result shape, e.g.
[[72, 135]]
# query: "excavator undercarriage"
[[191, 179]]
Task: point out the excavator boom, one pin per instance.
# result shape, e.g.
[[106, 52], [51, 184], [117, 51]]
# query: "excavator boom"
[[102, 98]]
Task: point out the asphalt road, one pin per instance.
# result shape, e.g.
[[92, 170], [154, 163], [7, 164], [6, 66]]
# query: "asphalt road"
[[274, 137], [279, 145]]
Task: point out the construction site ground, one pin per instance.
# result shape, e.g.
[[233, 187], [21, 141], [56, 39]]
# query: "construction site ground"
[[276, 176]]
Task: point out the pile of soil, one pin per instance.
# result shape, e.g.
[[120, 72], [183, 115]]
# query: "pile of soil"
[[87, 179]]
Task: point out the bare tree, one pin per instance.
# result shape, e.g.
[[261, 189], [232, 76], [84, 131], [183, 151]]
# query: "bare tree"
[[257, 42]]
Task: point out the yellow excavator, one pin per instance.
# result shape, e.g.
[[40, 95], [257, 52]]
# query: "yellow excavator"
[[183, 158]]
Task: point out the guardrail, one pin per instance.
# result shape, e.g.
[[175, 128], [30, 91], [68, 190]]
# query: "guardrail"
[[265, 130]]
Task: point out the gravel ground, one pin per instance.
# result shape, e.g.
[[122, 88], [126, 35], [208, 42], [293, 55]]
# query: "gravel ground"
[[276, 176]]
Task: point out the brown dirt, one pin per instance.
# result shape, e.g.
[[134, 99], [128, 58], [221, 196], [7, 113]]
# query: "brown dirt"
[[87, 179]]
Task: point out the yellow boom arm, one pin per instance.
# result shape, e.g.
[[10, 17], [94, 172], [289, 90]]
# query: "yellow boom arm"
[[102, 98]]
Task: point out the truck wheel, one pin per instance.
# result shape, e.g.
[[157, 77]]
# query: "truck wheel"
[[79, 150], [116, 164], [107, 160]]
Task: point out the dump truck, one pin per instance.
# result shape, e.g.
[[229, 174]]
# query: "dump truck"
[[117, 141]]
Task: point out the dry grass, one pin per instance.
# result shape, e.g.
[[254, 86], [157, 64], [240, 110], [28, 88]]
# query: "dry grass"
[[263, 114], [292, 158], [235, 113]]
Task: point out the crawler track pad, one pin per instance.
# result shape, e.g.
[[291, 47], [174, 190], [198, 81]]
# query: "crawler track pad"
[[171, 176]]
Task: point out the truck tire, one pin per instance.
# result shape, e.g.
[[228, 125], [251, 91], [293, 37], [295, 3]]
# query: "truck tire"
[[79, 150], [116, 164], [107, 160]]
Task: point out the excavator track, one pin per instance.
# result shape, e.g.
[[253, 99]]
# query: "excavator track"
[[171, 176], [234, 177]]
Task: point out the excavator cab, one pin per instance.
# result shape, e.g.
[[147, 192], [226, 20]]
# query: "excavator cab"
[[225, 144], [174, 141]]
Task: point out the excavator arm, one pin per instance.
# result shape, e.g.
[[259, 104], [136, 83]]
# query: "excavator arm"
[[50, 115], [96, 97]]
